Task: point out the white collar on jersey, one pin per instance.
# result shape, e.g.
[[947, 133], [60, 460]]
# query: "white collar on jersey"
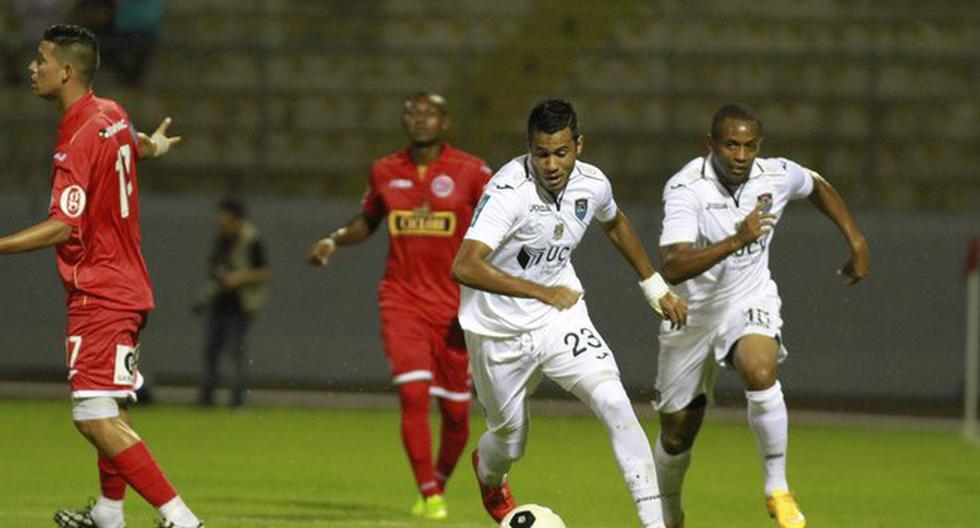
[[708, 173]]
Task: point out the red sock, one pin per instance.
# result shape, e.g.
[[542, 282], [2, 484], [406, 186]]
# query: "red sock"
[[112, 483], [414, 398], [455, 433], [136, 465]]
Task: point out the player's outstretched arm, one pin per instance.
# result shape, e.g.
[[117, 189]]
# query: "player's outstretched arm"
[[621, 233], [472, 269], [355, 231], [157, 144], [684, 261], [50, 232], [830, 203]]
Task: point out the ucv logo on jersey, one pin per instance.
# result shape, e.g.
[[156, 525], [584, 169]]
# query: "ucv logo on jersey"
[[529, 256]]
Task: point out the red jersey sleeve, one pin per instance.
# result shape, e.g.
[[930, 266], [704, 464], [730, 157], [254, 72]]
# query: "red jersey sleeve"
[[372, 204], [70, 179], [483, 175]]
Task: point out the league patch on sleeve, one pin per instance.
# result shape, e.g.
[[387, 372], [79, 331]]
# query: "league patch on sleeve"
[[72, 201]]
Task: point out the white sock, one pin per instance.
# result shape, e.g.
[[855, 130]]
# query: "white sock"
[[769, 422], [611, 404], [178, 513], [670, 473], [494, 462], [108, 513]]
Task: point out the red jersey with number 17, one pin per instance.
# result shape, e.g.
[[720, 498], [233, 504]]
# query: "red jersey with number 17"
[[427, 217], [94, 190]]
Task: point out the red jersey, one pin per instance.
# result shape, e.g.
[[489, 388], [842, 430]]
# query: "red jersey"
[[427, 218], [94, 190]]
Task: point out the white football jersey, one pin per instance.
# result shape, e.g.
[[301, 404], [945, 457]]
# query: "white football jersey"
[[532, 236], [700, 210]]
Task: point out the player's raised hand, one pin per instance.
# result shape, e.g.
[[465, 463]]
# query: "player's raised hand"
[[757, 223], [561, 297], [857, 266], [320, 253], [674, 308], [158, 143]]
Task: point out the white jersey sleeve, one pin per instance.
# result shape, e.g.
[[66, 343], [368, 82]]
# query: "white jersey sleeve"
[[607, 208], [680, 215], [800, 183], [496, 215]]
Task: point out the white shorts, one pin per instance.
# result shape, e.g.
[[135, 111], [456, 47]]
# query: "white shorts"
[[506, 370], [689, 358]]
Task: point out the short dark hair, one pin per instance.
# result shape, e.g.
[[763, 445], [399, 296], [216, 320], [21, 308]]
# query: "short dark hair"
[[78, 45], [233, 206], [434, 98], [735, 111], [550, 116]]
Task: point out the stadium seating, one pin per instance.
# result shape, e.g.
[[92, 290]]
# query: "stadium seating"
[[877, 94]]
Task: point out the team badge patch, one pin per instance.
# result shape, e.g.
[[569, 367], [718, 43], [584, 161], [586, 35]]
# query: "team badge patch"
[[559, 230], [766, 200], [581, 208], [127, 358], [72, 201], [442, 186]]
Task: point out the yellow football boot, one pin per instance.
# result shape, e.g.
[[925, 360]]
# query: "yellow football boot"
[[433, 508], [782, 507]]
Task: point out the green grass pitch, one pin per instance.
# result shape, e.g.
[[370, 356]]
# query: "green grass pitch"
[[278, 467]]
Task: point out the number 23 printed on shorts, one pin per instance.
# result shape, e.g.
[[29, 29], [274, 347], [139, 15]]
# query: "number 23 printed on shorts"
[[584, 340]]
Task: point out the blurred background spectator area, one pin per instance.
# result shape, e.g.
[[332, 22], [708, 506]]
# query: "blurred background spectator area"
[[291, 97]]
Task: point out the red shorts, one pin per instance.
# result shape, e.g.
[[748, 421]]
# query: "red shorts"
[[420, 351], [102, 352]]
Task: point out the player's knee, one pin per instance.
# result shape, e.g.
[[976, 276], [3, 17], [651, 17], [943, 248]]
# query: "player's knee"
[[759, 377], [675, 443], [612, 404]]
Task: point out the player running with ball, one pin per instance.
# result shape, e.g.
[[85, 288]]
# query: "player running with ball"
[[522, 309]]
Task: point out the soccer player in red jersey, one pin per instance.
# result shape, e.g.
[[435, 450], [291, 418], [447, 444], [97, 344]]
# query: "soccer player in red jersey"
[[94, 224], [427, 194]]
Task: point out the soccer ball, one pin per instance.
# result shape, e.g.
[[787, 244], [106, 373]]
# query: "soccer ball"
[[532, 516]]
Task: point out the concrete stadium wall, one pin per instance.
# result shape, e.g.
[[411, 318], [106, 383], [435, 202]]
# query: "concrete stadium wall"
[[896, 338]]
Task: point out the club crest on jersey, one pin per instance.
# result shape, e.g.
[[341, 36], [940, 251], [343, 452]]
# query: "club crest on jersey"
[[442, 185], [766, 200], [581, 208], [72, 201], [559, 230]]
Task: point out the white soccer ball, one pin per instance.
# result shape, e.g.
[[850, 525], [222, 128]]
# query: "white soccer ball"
[[532, 516]]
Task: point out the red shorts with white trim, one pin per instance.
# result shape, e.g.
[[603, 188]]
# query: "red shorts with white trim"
[[418, 350], [102, 352]]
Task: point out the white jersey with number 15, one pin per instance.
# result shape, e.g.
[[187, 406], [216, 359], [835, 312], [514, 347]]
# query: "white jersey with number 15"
[[698, 209]]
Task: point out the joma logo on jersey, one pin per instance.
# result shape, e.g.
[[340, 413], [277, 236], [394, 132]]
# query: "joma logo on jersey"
[[528, 256], [113, 129], [438, 224]]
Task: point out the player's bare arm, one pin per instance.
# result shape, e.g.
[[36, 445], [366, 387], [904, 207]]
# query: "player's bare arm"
[[50, 232], [684, 261], [472, 269], [621, 233], [158, 143], [355, 231], [830, 203]]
